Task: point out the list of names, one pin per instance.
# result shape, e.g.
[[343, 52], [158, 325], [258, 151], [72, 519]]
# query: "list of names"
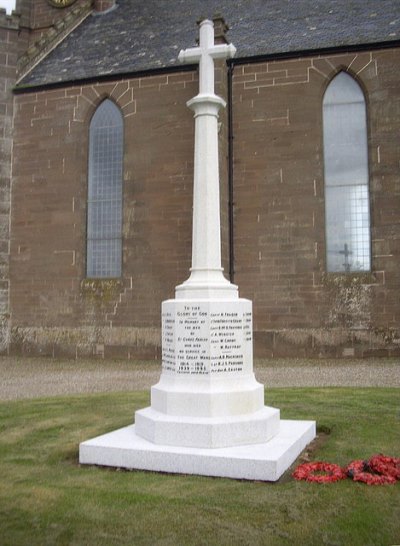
[[199, 339]]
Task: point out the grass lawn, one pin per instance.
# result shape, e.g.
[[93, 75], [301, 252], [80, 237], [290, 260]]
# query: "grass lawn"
[[46, 498]]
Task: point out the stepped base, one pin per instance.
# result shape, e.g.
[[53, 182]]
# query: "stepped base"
[[212, 432], [207, 397], [267, 461]]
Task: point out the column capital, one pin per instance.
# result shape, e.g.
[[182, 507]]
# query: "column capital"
[[206, 104]]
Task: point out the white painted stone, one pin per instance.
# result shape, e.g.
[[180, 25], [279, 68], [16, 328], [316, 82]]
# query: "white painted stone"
[[211, 432], [207, 359], [216, 399], [207, 395], [206, 279], [205, 54], [123, 448]]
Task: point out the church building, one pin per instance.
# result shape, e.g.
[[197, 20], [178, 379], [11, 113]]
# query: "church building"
[[96, 172]]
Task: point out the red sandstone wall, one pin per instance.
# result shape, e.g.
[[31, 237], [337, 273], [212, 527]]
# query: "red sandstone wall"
[[39, 15], [9, 47], [279, 213], [299, 309], [54, 307]]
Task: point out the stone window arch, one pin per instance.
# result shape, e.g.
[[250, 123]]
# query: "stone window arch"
[[347, 208], [105, 188]]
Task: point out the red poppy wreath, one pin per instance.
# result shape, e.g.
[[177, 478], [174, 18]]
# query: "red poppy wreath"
[[378, 470], [319, 472], [377, 473], [387, 466]]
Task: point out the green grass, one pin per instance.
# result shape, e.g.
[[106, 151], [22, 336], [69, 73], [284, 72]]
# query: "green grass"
[[46, 498]]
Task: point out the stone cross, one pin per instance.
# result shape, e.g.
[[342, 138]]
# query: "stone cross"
[[206, 279], [346, 252], [205, 54]]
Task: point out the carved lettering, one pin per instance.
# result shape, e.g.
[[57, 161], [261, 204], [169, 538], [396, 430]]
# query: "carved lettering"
[[196, 341]]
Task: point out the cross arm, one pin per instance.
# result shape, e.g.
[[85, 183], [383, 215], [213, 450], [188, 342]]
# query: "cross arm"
[[222, 51], [192, 55]]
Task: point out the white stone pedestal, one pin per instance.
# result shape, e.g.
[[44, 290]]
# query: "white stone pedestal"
[[207, 396], [207, 413]]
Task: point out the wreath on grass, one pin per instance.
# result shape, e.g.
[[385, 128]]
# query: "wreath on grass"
[[378, 470], [361, 471], [387, 466], [319, 472]]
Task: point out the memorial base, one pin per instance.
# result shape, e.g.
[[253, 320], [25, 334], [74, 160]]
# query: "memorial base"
[[267, 461], [207, 414], [208, 432]]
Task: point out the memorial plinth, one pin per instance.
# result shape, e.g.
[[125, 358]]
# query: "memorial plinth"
[[207, 413], [207, 396]]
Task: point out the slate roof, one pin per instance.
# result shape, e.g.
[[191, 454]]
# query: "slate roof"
[[141, 35]]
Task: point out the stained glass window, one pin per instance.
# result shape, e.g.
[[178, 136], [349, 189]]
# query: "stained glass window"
[[104, 221], [347, 219]]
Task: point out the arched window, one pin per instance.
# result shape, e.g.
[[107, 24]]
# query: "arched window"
[[347, 221], [104, 217]]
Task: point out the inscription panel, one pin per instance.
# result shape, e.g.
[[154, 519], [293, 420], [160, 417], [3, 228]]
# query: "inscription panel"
[[168, 337], [201, 338], [192, 325]]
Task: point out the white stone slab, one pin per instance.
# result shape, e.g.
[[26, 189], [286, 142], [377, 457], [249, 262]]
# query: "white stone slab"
[[220, 397], [209, 432], [123, 448]]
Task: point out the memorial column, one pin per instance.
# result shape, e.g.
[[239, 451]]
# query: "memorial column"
[[206, 279]]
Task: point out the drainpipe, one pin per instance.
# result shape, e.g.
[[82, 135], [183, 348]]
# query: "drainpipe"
[[230, 175]]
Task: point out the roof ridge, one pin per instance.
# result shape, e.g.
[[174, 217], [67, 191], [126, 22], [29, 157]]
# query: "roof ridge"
[[52, 38]]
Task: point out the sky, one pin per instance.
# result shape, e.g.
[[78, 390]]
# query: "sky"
[[8, 4]]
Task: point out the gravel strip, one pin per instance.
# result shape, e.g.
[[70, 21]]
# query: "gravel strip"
[[345, 375], [40, 377]]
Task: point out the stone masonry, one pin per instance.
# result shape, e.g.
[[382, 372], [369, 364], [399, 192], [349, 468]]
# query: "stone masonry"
[[279, 208], [60, 310], [9, 26], [277, 250], [279, 213], [27, 24]]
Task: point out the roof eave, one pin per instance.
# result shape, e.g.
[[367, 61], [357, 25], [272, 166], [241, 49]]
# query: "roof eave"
[[294, 54]]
